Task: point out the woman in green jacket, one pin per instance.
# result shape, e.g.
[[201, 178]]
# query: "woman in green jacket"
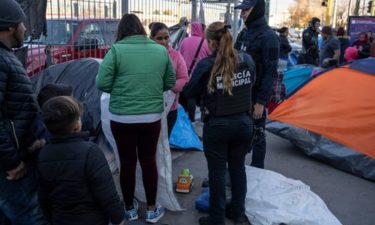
[[135, 72]]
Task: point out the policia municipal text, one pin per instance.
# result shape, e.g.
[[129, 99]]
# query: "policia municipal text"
[[223, 84]]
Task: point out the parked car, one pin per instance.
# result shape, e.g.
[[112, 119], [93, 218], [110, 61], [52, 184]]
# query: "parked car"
[[69, 39]]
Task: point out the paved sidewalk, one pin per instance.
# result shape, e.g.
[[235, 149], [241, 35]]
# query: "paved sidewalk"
[[351, 199]]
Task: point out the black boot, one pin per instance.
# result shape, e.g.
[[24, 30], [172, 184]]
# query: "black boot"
[[205, 221], [237, 220]]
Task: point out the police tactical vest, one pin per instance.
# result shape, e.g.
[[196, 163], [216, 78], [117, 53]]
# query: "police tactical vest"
[[220, 103]]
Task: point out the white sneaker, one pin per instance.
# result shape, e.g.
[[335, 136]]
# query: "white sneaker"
[[132, 214], [154, 216]]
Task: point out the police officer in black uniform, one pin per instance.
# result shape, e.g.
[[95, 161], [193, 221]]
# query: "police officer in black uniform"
[[310, 49], [262, 43], [223, 83]]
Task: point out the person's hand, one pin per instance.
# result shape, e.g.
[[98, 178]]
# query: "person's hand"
[[17, 173], [258, 111], [38, 144]]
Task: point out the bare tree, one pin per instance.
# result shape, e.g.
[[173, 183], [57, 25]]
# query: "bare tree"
[[301, 12]]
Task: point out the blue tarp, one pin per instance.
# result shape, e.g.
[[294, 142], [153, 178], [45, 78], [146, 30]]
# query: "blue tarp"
[[364, 65], [183, 134], [296, 76]]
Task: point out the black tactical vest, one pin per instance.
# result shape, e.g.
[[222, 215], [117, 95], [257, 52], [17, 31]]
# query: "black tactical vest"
[[220, 103]]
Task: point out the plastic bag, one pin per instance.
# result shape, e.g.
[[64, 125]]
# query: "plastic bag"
[[202, 203], [183, 136]]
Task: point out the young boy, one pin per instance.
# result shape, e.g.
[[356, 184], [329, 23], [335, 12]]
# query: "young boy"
[[39, 132], [76, 185], [53, 90]]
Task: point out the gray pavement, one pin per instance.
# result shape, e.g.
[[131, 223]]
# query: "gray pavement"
[[351, 199]]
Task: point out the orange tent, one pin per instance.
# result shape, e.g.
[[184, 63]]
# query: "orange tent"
[[338, 104]]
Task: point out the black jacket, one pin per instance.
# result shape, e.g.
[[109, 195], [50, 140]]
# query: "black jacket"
[[285, 47], [18, 110], [310, 42], [197, 86], [262, 43], [75, 184]]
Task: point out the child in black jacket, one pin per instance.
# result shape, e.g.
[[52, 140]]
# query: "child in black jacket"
[[76, 185]]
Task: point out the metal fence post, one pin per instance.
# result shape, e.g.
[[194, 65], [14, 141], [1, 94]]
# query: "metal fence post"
[[124, 7], [194, 10], [235, 21]]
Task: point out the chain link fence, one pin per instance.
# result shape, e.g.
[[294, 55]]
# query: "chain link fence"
[[77, 29]]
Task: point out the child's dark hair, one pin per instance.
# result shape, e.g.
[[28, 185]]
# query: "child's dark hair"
[[282, 30], [60, 114], [155, 27], [53, 90]]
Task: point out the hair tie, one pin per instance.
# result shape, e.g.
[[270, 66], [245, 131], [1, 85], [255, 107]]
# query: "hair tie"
[[224, 29]]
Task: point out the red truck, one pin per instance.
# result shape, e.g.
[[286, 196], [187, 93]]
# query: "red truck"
[[69, 39]]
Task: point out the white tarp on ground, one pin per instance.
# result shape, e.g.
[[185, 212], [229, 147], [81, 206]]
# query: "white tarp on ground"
[[273, 199], [165, 195]]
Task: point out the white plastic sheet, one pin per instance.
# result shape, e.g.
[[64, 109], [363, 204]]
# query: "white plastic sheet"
[[165, 195], [273, 199]]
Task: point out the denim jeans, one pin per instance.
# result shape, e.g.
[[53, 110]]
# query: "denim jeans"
[[259, 145], [19, 201], [226, 140]]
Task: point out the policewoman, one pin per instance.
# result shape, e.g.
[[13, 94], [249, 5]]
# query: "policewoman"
[[223, 82]]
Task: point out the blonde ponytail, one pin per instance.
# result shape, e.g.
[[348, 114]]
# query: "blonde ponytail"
[[226, 59]]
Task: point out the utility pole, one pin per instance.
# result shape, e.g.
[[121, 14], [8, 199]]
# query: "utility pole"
[[124, 7], [335, 14], [364, 8], [329, 13], [356, 9], [267, 13]]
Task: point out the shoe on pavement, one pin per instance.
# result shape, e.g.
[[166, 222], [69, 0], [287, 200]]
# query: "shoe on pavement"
[[132, 214], [154, 216], [206, 220], [237, 220]]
